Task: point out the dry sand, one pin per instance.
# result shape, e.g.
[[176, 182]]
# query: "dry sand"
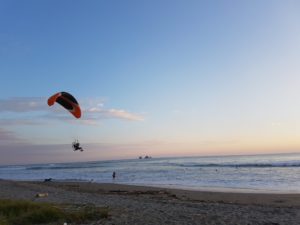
[[146, 205]]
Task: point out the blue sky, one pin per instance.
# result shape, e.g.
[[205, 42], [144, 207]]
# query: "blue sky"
[[164, 78]]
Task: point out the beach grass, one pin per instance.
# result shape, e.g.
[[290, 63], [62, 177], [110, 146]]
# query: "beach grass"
[[22, 212]]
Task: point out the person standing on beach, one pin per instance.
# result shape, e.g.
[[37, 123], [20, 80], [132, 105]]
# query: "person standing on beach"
[[114, 175]]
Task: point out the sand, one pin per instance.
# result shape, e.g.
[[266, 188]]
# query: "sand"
[[147, 205]]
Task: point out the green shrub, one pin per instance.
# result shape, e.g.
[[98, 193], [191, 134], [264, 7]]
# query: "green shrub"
[[21, 212]]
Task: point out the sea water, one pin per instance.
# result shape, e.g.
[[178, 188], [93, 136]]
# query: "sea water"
[[265, 173]]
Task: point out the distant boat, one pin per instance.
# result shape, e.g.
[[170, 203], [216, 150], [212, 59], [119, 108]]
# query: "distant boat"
[[140, 157]]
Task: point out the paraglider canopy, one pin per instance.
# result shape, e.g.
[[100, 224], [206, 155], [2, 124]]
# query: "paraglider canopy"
[[67, 101]]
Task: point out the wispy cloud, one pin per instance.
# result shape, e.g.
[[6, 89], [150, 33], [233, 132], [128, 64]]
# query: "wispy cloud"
[[13, 122], [9, 137], [6, 135], [113, 113], [93, 110], [23, 104], [276, 124]]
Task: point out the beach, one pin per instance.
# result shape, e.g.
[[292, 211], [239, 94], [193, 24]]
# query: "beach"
[[149, 112], [129, 204]]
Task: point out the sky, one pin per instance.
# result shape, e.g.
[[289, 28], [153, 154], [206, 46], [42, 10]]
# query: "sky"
[[162, 78]]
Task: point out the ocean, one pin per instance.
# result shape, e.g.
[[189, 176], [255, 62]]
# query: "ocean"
[[253, 173]]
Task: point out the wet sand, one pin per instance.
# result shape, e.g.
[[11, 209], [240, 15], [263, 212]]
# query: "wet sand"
[[148, 205]]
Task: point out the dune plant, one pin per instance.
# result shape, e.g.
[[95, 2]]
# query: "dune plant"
[[22, 212]]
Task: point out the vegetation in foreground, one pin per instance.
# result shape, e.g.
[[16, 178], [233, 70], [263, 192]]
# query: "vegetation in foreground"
[[22, 212]]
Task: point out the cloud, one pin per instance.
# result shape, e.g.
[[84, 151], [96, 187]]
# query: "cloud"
[[276, 124], [13, 122], [93, 111], [23, 104], [6, 135], [113, 113], [93, 116], [9, 137]]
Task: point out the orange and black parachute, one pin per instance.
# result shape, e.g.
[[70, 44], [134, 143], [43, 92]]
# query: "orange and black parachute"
[[67, 101]]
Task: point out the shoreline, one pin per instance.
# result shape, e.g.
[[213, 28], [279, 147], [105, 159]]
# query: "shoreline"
[[176, 187], [217, 189]]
